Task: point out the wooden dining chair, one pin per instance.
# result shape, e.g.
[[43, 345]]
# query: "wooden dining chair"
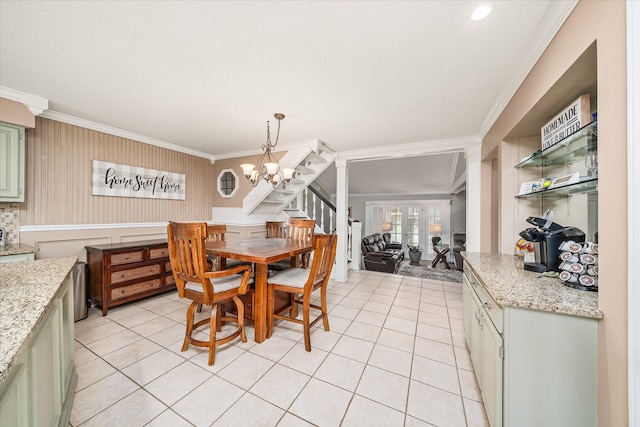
[[211, 288], [302, 230], [301, 283], [216, 233], [276, 229]]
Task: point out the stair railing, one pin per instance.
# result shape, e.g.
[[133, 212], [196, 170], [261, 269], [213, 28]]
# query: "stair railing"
[[318, 208]]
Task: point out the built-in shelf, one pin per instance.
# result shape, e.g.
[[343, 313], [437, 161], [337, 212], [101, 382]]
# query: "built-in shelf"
[[569, 150], [586, 185]]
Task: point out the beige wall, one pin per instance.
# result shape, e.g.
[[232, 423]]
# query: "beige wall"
[[245, 186], [60, 215], [58, 188], [604, 23]]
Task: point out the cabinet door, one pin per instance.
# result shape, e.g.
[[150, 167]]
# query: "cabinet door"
[[475, 342], [45, 372], [14, 401], [467, 314], [11, 163], [491, 371]]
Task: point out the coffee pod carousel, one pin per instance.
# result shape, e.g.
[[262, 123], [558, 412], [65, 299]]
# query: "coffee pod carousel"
[[579, 265]]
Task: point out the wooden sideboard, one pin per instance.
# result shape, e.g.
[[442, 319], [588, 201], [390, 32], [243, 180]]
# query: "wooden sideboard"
[[124, 272]]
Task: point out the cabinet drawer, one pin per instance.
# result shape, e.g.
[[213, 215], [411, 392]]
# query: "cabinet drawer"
[[127, 257], [493, 310], [134, 273], [158, 253], [134, 289], [169, 280]]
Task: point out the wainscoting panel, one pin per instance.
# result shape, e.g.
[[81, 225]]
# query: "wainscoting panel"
[[63, 243]]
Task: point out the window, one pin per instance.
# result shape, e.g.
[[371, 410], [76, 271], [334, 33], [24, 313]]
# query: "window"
[[227, 183], [411, 221]]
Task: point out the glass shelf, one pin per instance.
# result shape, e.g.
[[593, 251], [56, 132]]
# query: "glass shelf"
[[585, 185], [569, 150]]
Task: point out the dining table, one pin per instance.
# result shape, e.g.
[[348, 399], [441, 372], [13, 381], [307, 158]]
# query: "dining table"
[[261, 252]]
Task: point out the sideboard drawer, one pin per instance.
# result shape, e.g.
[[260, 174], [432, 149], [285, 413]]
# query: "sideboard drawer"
[[137, 288], [134, 273], [127, 257], [158, 253], [169, 280]]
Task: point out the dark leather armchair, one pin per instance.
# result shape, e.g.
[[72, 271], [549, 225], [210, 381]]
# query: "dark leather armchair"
[[381, 256], [459, 240]]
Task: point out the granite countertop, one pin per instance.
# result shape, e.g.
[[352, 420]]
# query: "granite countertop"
[[16, 249], [26, 291], [510, 285]]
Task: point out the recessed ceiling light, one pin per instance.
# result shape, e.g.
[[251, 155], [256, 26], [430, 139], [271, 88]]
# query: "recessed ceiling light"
[[481, 12]]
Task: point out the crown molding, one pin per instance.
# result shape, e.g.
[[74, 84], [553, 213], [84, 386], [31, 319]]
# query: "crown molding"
[[88, 124], [35, 104], [549, 29]]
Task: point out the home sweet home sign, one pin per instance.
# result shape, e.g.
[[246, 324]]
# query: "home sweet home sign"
[[570, 120], [112, 179]]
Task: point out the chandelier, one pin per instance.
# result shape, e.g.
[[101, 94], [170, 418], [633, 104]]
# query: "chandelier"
[[267, 166]]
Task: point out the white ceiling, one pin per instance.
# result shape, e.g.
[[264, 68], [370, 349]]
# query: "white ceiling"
[[208, 75]]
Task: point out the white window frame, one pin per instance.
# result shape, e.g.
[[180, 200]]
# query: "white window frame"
[[235, 189]]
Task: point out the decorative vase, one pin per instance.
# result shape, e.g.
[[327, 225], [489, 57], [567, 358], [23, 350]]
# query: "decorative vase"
[[415, 257]]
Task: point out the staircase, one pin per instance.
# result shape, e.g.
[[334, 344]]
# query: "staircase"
[[309, 161]]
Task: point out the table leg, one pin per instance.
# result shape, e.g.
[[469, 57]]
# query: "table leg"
[[260, 302]]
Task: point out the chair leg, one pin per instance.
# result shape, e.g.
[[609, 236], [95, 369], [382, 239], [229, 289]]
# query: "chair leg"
[[240, 308], [293, 312], [323, 304], [305, 320], [212, 333], [189, 331], [270, 308], [219, 320]]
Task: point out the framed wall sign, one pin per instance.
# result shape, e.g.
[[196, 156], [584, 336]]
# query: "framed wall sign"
[[116, 180], [571, 119]]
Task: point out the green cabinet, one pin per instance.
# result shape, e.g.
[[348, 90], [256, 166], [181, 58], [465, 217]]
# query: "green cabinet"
[[12, 163], [40, 385]]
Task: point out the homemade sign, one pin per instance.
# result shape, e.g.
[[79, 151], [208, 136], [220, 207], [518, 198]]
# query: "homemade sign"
[[570, 120], [112, 179]]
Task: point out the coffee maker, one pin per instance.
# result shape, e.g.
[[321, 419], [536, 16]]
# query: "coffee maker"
[[547, 236]]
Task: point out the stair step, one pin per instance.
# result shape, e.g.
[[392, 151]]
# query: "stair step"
[[317, 158], [304, 170], [296, 181], [283, 191], [272, 201]]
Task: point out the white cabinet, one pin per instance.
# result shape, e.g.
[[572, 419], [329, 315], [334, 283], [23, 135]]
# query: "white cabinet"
[[12, 163], [41, 383], [534, 367], [485, 346]]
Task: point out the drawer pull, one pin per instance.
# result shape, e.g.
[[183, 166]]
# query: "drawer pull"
[[126, 257], [122, 275], [122, 291]]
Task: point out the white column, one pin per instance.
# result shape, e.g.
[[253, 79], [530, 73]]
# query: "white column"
[[633, 168], [342, 201], [356, 237], [472, 155]]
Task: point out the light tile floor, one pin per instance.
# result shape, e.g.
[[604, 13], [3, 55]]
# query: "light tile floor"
[[395, 356]]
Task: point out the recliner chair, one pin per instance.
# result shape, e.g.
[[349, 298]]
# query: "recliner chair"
[[459, 240]]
